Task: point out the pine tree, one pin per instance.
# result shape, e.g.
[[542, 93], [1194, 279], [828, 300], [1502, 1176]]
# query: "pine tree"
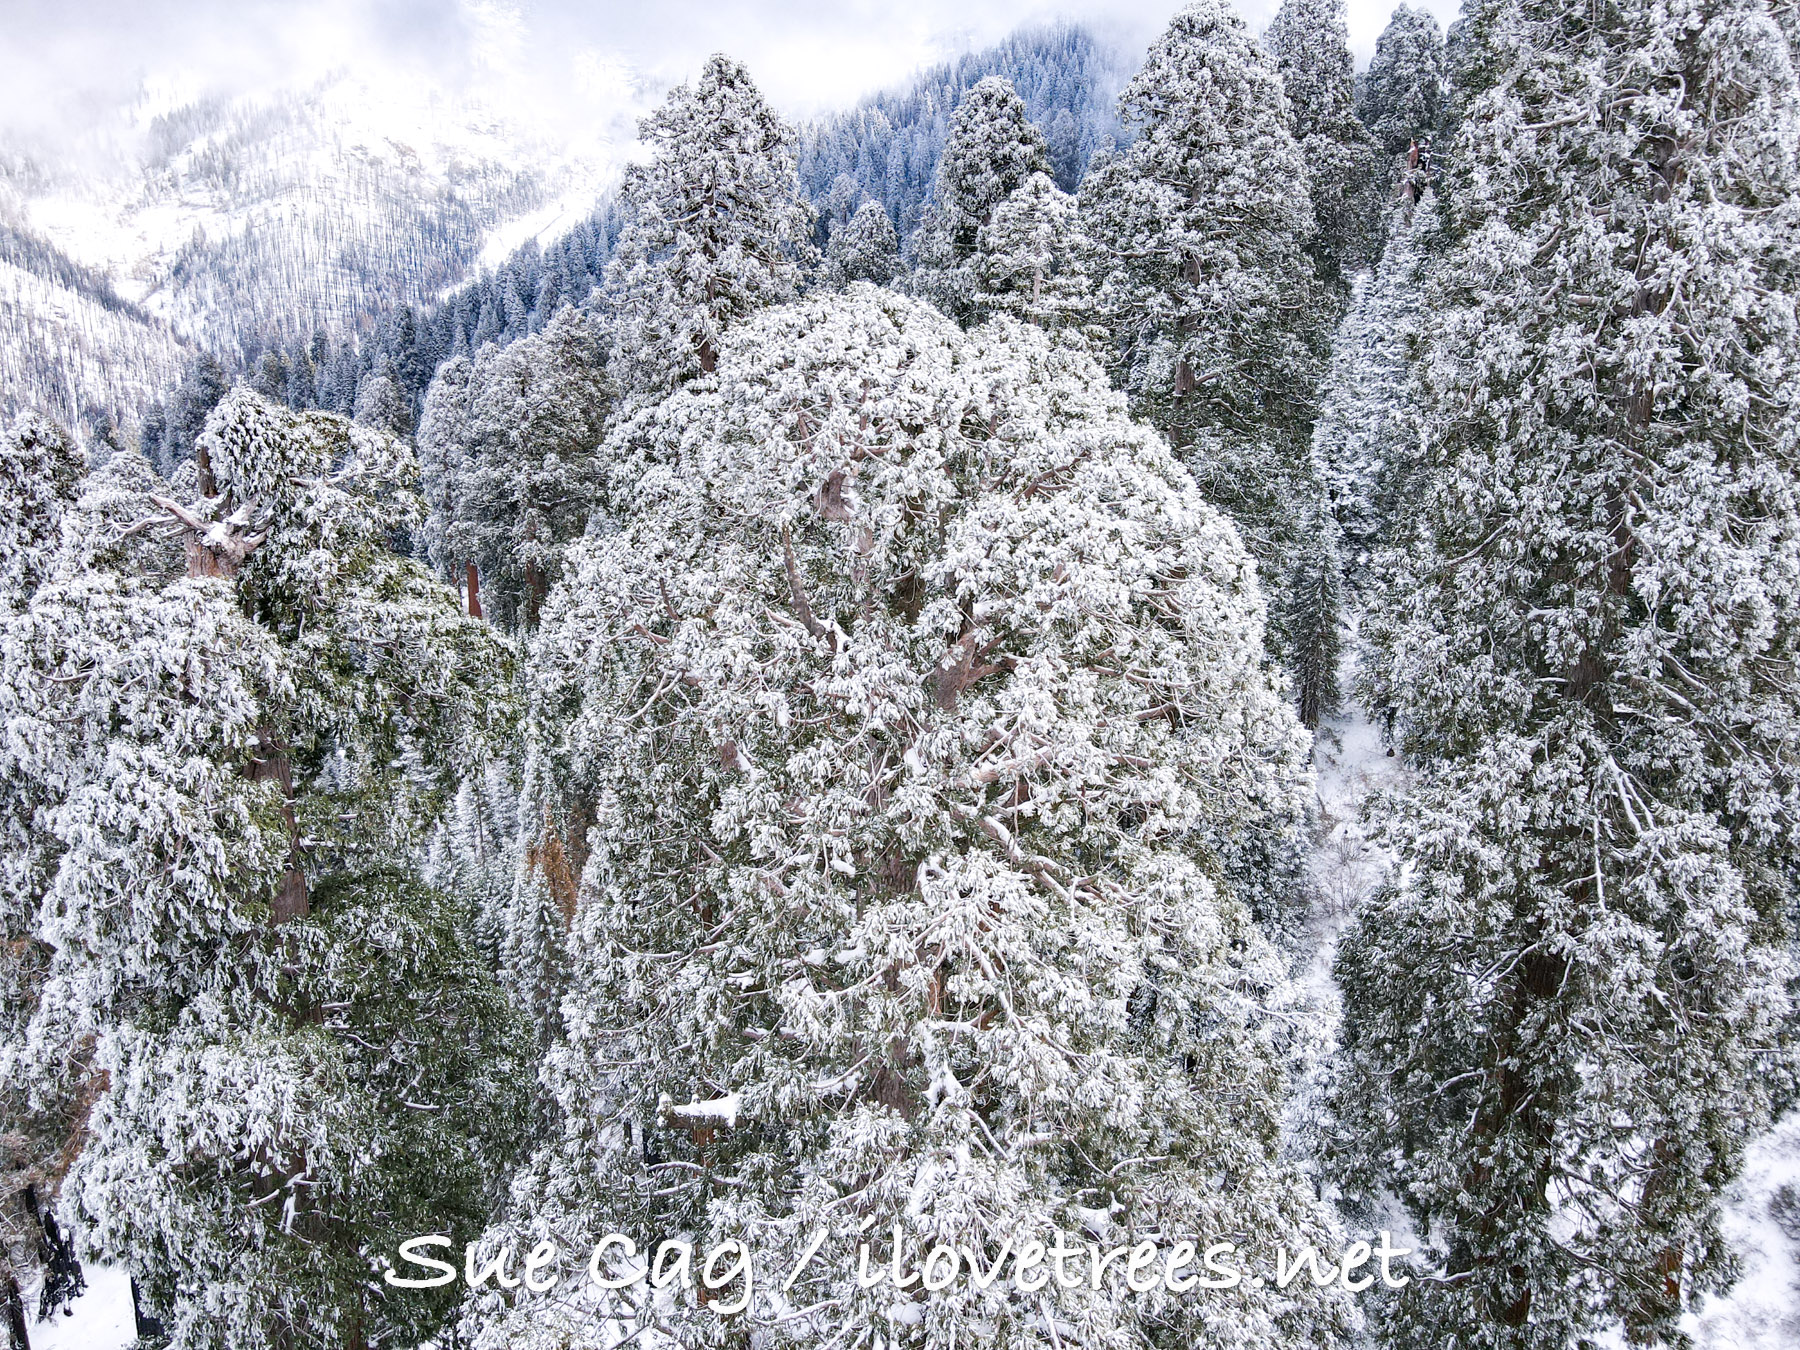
[[215, 778], [921, 702], [716, 229], [1563, 1018], [1404, 90], [1031, 259], [991, 151], [1310, 41], [864, 248], [1216, 320]]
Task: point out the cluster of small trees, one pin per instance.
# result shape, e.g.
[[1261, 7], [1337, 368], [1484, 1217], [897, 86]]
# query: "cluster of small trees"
[[839, 763]]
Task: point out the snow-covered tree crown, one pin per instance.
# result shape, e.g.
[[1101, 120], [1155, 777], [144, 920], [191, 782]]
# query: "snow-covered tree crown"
[[1310, 40], [1584, 638], [1403, 91], [216, 768], [40, 464], [992, 149], [923, 708], [716, 228], [863, 248], [508, 445], [1210, 299]]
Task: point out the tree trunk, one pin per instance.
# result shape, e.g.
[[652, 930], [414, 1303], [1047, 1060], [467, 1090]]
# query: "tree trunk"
[[537, 586], [145, 1324], [272, 765], [203, 466], [474, 592], [12, 1315]]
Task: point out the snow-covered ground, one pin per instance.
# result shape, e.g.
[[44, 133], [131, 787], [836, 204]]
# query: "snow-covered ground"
[[100, 1319], [1351, 763], [1762, 1221]]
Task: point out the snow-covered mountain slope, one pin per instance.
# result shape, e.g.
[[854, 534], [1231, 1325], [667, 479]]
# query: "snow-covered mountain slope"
[[69, 344], [250, 221]]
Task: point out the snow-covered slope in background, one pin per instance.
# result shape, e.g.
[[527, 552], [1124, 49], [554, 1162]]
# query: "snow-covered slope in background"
[[70, 344], [248, 222]]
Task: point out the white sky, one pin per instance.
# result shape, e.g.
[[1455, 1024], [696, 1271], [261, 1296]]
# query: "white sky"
[[65, 63]]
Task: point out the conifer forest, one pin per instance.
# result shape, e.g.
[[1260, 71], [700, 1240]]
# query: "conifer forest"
[[1128, 693]]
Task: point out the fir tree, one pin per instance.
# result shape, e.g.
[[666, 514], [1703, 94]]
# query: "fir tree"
[[991, 151], [921, 703], [716, 229], [381, 405], [1314, 619], [1563, 1017], [1365, 442]]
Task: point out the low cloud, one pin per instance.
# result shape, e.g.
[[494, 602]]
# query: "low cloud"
[[69, 66]]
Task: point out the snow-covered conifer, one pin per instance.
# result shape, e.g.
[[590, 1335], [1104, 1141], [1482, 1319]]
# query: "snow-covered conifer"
[[1403, 92], [380, 404], [1365, 443], [1315, 614], [1562, 1021], [863, 248], [922, 706], [1310, 41], [1031, 259], [992, 150], [40, 465], [508, 447], [716, 228], [215, 776], [1210, 297]]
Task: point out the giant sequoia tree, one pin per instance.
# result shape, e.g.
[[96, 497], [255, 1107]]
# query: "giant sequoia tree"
[[1211, 300], [923, 711], [715, 229], [509, 450], [1404, 91], [1563, 1019], [1310, 41], [228, 720], [991, 151]]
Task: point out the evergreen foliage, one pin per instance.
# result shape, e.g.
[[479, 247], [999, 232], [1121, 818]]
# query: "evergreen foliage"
[[922, 709], [891, 145], [508, 449], [863, 248], [715, 229], [1310, 41], [991, 151], [1214, 314], [1031, 259], [1403, 92], [283, 1049], [1366, 441], [1563, 1017]]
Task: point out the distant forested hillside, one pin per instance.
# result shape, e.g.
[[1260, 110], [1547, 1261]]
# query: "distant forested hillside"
[[70, 345], [888, 148]]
